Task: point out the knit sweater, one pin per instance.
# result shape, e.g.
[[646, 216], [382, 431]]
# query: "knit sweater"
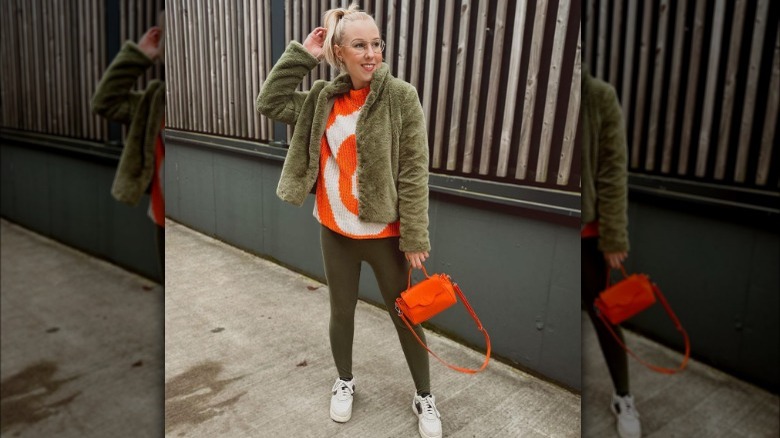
[[393, 156], [604, 164], [337, 185]]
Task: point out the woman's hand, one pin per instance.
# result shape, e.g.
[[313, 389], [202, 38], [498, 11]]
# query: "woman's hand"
[[150, 43], [615, 259], [416, 259], [314, 42]]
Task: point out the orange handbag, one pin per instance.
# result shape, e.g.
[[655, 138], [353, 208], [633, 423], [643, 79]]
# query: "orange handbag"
[[429, 297], [627, 298]]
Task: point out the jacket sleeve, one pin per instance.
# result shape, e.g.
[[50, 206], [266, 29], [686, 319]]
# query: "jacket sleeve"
[[612, 177], [413, 175], [114, 98], [278, 99]]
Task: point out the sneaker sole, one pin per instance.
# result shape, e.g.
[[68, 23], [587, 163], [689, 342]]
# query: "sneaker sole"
[[338, 418], [621, 433], [419, 428]]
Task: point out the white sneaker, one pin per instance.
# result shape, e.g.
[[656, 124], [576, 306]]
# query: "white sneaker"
[[628, 425], [341, 401], [428, 417]]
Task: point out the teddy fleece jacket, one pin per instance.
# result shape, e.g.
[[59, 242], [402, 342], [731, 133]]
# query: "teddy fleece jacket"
[[142, 110], [604, 164], [391, 137]]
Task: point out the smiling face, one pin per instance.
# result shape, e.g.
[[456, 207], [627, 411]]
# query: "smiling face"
[[360, 66]]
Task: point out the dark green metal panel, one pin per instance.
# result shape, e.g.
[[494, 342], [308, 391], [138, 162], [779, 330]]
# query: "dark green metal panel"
[[721, 278], [66, 196]]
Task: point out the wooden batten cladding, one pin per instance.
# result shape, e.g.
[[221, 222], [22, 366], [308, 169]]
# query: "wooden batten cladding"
[[699, 83], [56, 53], [499, 80]]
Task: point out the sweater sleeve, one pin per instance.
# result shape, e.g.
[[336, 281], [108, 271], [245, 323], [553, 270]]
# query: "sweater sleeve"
[[612, 177], [278, 99], [114, 98], [413, 175]]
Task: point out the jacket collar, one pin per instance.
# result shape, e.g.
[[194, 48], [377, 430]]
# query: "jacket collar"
[[342, 84]]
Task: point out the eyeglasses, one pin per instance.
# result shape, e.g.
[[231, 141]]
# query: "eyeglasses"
[[360, 46]]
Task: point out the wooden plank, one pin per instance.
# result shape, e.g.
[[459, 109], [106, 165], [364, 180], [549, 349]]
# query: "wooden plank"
[[205, 66], [444, 74], [390, 29], [553, 85], [495, 85], [572, 119], [658, 84], [268, 57], [251, 25], [402, 40], [532, 83], [628, 63], [770, 120], [460, 75], [644, 55], [513, 85], [239, 98], [748, 109], [601, 39], [708, 110], [305, 29], [417, 43], [674, 87], [591, 16], [693, 77], [430, 54], [472, 108], [617, 37], [40, 65], [730, 88]]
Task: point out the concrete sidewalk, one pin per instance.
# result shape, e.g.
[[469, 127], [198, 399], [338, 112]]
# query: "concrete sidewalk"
[[698, 402], [247, 355], [81, 343]]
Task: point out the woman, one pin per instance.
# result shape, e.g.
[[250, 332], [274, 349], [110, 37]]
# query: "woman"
[[361, 141], [141, 165], [604, 233]]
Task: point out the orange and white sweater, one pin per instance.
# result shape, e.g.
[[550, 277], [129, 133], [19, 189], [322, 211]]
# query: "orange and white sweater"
[[336, 204]]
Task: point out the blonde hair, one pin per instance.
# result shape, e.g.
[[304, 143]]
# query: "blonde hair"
[[334, 23]]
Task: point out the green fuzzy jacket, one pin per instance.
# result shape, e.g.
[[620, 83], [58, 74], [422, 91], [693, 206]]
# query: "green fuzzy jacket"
[[604, 164], [142, 110], [391, 137]]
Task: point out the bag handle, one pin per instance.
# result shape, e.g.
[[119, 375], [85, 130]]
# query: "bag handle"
[[473, 314], [672, 316]]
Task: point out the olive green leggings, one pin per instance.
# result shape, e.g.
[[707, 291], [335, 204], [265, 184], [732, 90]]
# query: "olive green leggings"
[[342, 257]]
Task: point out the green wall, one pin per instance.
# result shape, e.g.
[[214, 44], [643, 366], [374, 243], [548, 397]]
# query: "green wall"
[[60, 188]]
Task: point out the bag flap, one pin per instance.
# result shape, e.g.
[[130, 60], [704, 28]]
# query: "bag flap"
[[425, 292], [635, 288]]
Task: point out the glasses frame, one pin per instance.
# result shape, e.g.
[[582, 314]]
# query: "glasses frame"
[[351, 45]]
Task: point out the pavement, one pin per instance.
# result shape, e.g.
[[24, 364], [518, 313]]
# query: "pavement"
[[247, 354], [701, 401], [81, 343]]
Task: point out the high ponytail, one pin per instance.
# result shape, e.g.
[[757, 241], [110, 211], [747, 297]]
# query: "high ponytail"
[[334, 23]]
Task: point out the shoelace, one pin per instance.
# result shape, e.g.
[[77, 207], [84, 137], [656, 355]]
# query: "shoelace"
[[428, 407], [629, 405], [341, 389]]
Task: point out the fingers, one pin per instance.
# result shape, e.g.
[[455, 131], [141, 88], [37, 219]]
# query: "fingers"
[[319, 33], [416, 259]]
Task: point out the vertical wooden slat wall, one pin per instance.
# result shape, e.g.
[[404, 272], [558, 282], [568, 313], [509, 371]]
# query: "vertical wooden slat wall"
[[218, 57], [59, 53], [492, 113], [698, 82]]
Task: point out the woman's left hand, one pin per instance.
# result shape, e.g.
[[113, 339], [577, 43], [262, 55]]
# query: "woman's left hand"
[[416, 259]]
